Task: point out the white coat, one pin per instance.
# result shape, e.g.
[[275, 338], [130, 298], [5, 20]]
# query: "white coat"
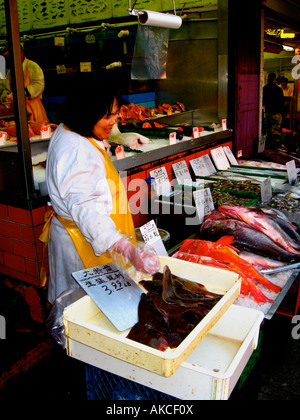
[[78, 190]]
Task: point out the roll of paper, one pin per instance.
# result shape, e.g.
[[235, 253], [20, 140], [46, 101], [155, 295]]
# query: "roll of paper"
[[161, 20]]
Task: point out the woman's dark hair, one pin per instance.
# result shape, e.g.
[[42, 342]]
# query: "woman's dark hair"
[[91, 97]]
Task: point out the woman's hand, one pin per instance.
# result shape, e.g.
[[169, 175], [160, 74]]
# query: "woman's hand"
[[143, 258]]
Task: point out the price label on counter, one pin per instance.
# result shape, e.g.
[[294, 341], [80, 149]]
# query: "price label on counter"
[[230, 155], [119, 152], [220, 160], [45, 131], [3, 137], [204, 202], [203, 166], [266, 190], [172, 139], [152, 237], [292, 172], [113, 291], [59, 41], [86, 67], [182, 173], [162, 183], [261, 144]]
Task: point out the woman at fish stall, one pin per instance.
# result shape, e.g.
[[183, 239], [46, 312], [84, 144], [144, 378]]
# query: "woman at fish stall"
[[90, 224]]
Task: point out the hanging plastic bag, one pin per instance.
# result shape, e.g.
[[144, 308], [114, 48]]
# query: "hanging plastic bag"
[[150, 53], [55, 321]]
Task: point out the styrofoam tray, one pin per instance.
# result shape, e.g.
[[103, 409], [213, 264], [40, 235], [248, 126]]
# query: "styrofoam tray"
[[210, 372], [85, 323]]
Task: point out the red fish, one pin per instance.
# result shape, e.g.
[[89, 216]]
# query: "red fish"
[[222, 252]]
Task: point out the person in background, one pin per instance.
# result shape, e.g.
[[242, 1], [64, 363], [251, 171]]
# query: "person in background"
[[273, 102], [91, 222], [287, 90], [34, 85]]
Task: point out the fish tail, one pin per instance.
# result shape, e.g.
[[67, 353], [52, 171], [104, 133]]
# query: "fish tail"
[[249, 287]]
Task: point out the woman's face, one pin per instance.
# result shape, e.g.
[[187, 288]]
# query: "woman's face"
[[103, 126]]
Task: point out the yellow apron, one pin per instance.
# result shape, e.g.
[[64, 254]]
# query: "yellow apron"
[[120, 215], [34, 106]]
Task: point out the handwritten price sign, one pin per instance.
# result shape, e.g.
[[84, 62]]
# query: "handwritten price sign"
[[115, 293]]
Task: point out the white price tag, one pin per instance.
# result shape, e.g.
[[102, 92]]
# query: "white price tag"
[[292, 172], [196, 132], [230, 155], [182, 173], [266, 190], [202, 166], [45, 131], [119, 152], [261, 144], [172, 138], [152, 237], [204, 202], [220, 160], [162, 183], [3, 137]]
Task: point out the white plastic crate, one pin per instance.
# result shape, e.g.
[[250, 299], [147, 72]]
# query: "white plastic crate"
[[210, 372]]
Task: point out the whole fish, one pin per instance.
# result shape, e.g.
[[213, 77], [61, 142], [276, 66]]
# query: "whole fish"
[[222, 250], [262, 222], [246, 238], [285, 225]]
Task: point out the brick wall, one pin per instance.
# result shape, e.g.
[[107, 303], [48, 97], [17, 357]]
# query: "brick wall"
[[21, 253]]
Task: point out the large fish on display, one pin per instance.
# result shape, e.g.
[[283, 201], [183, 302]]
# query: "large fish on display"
[[245, 238], [264, 223]]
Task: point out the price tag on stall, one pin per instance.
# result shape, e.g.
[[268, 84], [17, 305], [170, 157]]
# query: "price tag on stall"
[[59, 41], [204, 202], [45, 131], [230, 155], [119, 152], [3, 137], [85, 67], [152, 237], [61, 69], [224, 124], [196, 132], [113, 291], [266, 190], [162, 183], [182, 173], [261, 144], [292, 172], [203, 166], [220, 160], [172, 139]]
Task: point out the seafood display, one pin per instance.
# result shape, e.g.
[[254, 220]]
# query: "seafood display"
[[131, 140], [257, 230], [276, 228], [222, 254], [286, 201], [137, 113], [170, 310]]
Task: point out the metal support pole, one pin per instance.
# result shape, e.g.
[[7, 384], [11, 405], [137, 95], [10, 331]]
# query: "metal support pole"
[[17, 82]]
